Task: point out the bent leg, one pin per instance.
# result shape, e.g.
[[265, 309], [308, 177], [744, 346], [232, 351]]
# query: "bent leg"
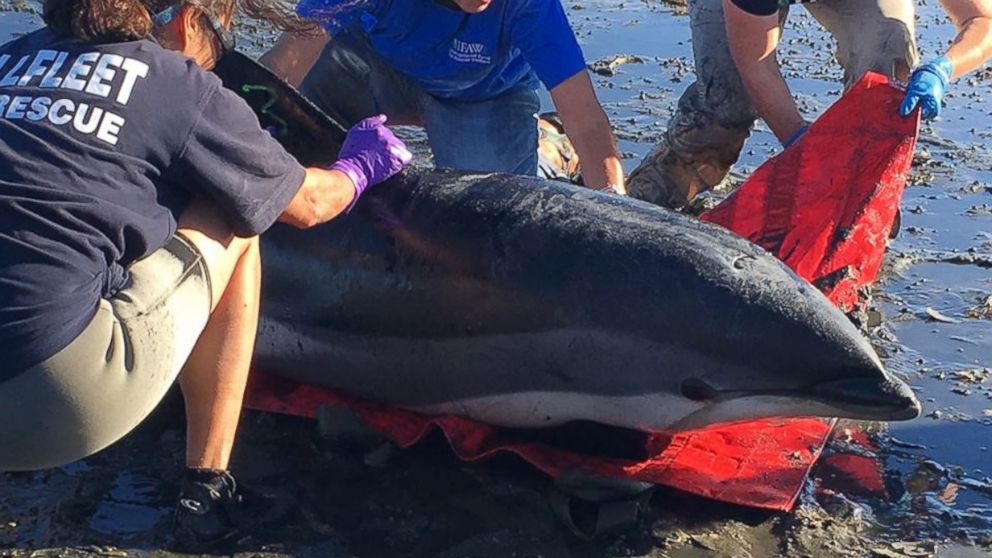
[[107, 380], [713, 118], [216, 372], [495, 135], [872, 35], [191, 306]]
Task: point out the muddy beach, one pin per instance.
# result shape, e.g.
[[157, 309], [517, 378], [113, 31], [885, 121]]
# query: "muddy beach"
[[932, 322]]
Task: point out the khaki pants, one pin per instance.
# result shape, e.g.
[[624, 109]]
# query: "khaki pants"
[[714, 115], [115, 372]]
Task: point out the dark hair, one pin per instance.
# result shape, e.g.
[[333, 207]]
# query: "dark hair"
[[125, 20]]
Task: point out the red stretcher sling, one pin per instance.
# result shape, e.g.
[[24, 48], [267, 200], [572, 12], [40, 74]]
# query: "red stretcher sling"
[[825, 207]]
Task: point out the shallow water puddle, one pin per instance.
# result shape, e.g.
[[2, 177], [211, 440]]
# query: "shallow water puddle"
[[132, 506]]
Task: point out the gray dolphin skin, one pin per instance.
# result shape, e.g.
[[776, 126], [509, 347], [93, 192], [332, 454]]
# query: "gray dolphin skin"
[[527, 303], [520, 302]]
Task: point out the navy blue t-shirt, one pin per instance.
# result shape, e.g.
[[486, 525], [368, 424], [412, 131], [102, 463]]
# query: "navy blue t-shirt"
[[101, 148], [758, 7], [455, 55]]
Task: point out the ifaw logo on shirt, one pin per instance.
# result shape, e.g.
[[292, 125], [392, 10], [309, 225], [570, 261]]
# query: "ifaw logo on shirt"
[[469, 52]]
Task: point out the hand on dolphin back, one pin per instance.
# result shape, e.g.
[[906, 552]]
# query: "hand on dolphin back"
[[371, 154]]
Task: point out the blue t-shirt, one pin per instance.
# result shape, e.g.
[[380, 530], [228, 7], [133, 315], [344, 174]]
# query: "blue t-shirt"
[[455, 55], [101, 147]]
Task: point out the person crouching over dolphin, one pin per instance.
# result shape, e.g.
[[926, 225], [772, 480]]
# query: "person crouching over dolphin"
[[467, 70], [738, 79], [133, 188]]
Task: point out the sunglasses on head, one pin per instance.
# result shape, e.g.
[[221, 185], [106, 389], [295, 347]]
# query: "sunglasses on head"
[[224, 36]]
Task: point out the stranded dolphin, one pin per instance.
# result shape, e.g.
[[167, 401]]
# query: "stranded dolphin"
[[527, 303]]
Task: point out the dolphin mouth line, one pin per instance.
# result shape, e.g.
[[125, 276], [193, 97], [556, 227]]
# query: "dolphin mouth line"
[[893, 401]]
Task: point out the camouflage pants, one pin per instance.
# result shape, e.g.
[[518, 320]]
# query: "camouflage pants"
[[714, 115]]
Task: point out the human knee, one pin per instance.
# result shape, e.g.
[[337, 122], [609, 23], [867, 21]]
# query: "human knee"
[[710, 117], [892, 53], [205, 227]]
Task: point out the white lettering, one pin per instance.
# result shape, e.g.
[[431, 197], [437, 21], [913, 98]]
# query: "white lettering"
[[63, 106], [133, 69], [37, 67], [50, 79], [469, 52], [110, 128], [104, 74], [39, 109], [17, 107], [11, 78], [80, 69], [85, 118], [81, 124]]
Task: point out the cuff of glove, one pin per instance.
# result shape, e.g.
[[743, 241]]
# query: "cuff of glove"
[[942, 67], [795, 136], [358, 178]]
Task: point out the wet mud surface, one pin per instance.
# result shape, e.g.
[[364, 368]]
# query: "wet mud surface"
[[922, 488]]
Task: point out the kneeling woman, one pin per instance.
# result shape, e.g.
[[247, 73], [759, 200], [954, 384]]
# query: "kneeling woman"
[[132, 190]]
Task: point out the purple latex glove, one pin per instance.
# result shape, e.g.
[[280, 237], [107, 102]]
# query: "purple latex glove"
[[371, 154]]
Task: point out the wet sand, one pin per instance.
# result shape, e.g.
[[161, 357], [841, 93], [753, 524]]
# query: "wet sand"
[[935, 331]]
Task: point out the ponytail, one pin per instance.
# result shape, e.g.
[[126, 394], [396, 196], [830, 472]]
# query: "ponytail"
[[99, 21]]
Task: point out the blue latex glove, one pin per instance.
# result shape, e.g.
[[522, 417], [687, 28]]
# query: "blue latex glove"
[[795, 135], [926, 88]]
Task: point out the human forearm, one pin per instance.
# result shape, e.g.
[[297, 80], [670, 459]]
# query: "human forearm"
[[371, 154], [294, 55], [587, 126], [772, 99], [972, 47], [324, 195], [969, 51], [600, 158], [753, 40]]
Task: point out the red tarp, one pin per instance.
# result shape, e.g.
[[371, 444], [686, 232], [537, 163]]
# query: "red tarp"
[[825, 206]]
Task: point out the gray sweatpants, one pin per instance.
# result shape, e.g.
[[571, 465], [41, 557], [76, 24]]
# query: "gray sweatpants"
[[108, 379], [714, 115]]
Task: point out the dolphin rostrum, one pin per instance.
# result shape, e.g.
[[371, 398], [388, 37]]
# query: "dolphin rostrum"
[[527, 303]]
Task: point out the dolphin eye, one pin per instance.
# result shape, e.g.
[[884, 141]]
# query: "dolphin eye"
[[697, 390]]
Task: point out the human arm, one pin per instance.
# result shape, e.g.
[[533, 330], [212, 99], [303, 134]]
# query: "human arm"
[[968, 52], [371, 154], [973, 45], [293, 55], [753, 40], [324, 195], [588, 128]]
